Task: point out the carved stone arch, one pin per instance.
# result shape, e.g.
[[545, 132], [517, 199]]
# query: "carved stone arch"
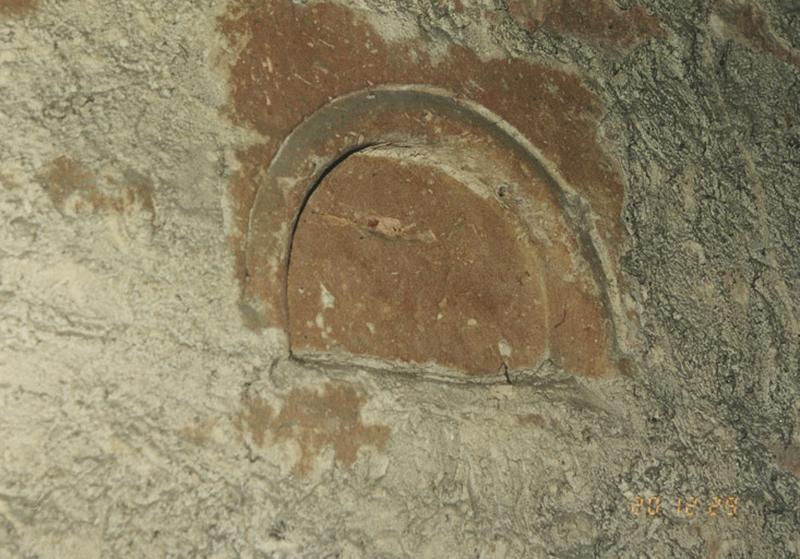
[[465, 141]]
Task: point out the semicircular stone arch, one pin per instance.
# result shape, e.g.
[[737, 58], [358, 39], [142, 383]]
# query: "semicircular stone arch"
[[402, 227]]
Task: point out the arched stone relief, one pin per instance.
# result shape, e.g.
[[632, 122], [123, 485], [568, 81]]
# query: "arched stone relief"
[[347, 187]]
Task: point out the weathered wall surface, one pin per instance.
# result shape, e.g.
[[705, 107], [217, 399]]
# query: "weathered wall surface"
[[148, 408]]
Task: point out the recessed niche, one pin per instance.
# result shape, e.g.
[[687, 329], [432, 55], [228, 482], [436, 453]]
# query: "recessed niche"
[[398, 260], [416, 231]]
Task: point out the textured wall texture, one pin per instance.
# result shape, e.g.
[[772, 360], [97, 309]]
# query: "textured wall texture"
[[148, 404]]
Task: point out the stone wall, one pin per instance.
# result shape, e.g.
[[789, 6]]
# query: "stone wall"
[[575, 334]]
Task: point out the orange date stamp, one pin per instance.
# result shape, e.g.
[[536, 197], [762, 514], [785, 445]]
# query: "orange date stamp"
[[685, 507]]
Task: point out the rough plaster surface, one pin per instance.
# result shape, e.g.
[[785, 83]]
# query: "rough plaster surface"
[[142, 417]]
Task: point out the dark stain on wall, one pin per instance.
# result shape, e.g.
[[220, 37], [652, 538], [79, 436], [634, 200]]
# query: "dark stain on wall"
[[752, 25], [75, 189], [597, 21], [18, 7], [315, 420]]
